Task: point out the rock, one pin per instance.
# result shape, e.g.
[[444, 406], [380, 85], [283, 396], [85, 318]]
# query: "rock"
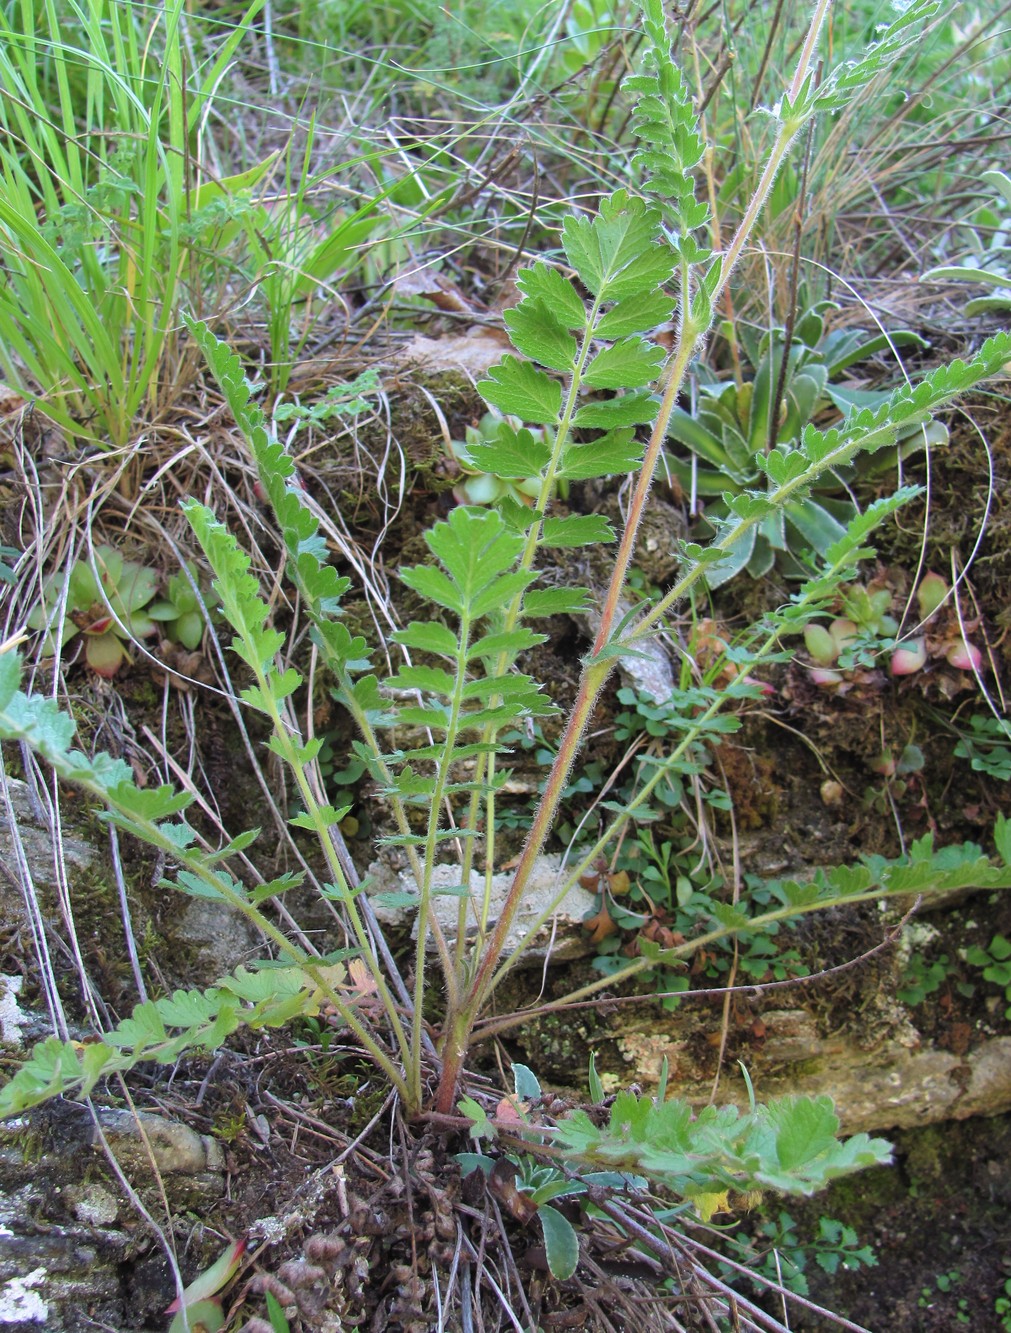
[[33, 840], [221, 936], [561, 936], [69, 1240], [891, 1087], [176, 1148]]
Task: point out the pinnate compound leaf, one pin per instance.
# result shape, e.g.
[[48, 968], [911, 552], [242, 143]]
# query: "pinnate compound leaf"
[[161, 1030], [519, 389], [789, 1146], [847, 79], [319, 583]]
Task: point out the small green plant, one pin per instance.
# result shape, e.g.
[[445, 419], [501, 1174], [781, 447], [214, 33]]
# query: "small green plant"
[[987, 746], [1002, 1307], [899, 775], [944, 1284], [339, 401], [996, 964], [775, 1250], [922, 977], [107, 600]]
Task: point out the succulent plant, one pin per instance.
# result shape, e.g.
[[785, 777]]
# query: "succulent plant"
[[107, 604], [844, 652], [485, 488], [732, 428], [179, 610]]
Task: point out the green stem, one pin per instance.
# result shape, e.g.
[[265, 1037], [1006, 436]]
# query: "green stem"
[[548, 482], [431, 844], [321, 828], [403, 827], [151, 833]]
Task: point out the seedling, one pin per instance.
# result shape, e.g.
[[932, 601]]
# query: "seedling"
[[996, 964]]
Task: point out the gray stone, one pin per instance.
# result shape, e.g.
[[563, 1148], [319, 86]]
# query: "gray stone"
[[175, 1147], [561, 937]]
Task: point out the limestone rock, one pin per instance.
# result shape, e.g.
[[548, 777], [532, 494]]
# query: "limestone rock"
[[560, 937]]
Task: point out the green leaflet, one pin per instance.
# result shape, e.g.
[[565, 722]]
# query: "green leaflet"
[[519, 389], [791, 1146], [514, 453], [628, 364], [538, 333], [542, 282], [618, 253]]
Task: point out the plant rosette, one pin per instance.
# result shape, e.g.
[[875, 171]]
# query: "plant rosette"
[[479, 487], [107, 604]]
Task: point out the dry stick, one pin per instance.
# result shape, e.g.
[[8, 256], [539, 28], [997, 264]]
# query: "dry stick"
[[840, 1320], [627, 1218]]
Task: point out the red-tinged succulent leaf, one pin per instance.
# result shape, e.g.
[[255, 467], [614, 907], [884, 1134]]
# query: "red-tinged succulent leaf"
[[105, 654], [212, 1279], [203, 1317]]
